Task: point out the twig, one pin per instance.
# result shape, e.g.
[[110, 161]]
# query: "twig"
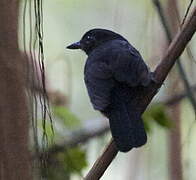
[[175, 99], [78, 137], [187, 11], [174, 51]]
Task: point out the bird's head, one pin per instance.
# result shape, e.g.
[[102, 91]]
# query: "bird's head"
[[93, 39]]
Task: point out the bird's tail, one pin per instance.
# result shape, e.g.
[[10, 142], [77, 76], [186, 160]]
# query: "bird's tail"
[[125, 122]]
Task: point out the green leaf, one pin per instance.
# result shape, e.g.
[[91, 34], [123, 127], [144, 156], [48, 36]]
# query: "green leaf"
[[67, 117], [63, 164], [147, 126], [74, 160], [158, 114]]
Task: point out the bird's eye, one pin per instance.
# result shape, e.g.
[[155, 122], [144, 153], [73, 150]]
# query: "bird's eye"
[[89, 40]]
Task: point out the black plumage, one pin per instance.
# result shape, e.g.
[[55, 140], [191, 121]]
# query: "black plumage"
[[115, 76]]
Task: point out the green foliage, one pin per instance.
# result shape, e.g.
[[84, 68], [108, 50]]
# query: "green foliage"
[[67, 117], [69, 120], [75, 160], [157, 113], [62, 165], [147, 125]]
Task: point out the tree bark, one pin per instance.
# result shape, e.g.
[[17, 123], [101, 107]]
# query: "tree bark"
[[14, 154], [175, 153]]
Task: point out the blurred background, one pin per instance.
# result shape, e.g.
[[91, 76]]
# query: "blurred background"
[[82, 133]]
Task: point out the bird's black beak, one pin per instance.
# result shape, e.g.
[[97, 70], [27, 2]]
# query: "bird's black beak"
[[76, 45]]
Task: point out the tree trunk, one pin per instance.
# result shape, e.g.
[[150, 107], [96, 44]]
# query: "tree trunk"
[[175, 154], [14, 154], [175, 161]]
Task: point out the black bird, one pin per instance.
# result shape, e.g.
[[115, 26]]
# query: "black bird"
[[115, 76]]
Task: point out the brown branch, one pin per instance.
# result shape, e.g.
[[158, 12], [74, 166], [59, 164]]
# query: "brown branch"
[[103, 162], [78, 137], [176, 48], [169, 33], [187, 12], [174, 51], [175, 99]]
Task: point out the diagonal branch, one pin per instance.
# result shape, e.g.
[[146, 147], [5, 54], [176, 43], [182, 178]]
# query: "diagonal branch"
[[103, 162], [175, 49], [178, 61]]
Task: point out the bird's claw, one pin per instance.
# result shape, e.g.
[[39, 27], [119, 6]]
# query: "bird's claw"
[[154, 80]]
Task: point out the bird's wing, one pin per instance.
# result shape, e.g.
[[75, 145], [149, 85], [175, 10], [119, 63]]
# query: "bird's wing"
[[98, 70], [128, 67], [99, 82]]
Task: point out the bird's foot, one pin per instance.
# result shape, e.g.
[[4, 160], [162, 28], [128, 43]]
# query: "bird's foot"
[[154, 80]]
